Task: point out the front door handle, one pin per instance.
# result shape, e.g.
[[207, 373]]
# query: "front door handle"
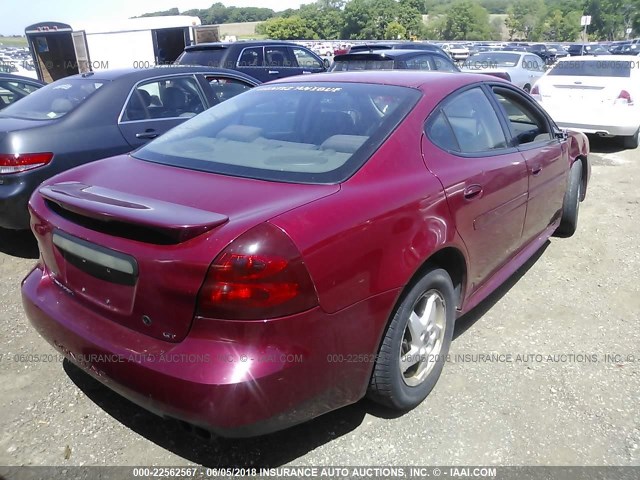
[[147, 134], [273, 72], [472, 192], [535, 171]]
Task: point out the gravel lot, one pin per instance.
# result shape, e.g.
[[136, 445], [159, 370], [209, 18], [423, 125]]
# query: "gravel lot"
[[577, 297]]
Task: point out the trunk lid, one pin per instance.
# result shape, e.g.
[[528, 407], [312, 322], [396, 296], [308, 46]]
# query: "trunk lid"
[[134, 239], [571, 89]]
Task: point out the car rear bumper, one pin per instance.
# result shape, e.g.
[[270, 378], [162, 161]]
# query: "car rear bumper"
[[621, 121], [233, 378], [14, 197]]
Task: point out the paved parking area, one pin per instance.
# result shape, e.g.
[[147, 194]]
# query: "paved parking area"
[[546, 372]]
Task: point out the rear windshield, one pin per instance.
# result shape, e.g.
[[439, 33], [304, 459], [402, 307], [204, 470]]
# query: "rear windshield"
[[354, 64], [210, 57], [491, 60], [54, 100], [297, 132], [595, 68]]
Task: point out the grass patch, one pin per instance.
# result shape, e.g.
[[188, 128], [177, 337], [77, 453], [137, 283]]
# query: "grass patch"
[[13, 41]]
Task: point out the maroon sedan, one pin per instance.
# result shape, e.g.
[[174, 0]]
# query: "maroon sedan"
[[301, 245]]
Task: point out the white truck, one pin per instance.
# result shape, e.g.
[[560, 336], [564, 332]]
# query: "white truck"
[[60, 50]]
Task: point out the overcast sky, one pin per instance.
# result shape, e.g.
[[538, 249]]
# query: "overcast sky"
[[17, 14]]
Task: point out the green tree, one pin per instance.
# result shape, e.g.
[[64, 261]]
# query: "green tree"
[[466, 20], [290, 28], [559, 27], [395, 30], [525, 18]]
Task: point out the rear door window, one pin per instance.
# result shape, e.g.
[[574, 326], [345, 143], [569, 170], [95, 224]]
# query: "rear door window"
[[172, 97], [474, 123], [277, 57], [251, 57], [527, 124], [225, 88]]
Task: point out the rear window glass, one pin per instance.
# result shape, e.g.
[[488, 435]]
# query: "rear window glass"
[[595, 68], [300, 132], [54, 100], [211, 57], [355, 64], [491, 60]]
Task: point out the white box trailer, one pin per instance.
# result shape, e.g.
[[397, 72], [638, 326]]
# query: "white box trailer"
[[60, 50]]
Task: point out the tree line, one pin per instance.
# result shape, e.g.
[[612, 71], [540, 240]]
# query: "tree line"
[[530, 20]]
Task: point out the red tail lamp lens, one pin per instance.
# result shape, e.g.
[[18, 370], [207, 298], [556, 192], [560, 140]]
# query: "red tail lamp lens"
[[21, 162], [259, 275]]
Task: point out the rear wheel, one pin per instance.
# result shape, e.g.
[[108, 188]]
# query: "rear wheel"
[[632, 141], [571, 203], [416, 343]]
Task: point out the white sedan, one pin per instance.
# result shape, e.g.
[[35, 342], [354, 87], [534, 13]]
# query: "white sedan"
[[598, 95], [520, 68]]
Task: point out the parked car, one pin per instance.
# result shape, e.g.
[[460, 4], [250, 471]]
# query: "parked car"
[[543, 51], [91, 116], [369, 47], [558, 49], [263, 60], [300, 245], [394, 60], [594, 95], [457, 52], [14, 87], [580, 49], [521, 68]]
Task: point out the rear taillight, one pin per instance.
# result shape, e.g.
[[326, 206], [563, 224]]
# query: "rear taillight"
[[21, 162], [259, 275], [535, 90], [624, 98]]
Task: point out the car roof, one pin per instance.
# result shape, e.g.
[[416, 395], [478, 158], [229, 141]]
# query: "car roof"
[[389, 53], [400, 78], [243, 43], [142, 73], [614, 58]]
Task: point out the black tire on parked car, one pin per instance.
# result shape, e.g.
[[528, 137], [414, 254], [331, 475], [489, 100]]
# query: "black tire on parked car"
[[419, 332], [571, 203], [632, 141]]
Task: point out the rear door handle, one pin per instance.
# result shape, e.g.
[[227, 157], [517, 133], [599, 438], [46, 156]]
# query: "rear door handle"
[[273, 72], [473, 192], [147, 134], [535, 171]]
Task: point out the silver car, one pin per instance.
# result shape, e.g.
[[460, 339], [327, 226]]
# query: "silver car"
[[520, 68]]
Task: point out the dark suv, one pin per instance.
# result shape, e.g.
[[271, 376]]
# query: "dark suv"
[[579, 49], [262, 60]]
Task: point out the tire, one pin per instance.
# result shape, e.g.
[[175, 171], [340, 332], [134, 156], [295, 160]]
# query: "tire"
[[571, 202], [403, 386], [632, 141]]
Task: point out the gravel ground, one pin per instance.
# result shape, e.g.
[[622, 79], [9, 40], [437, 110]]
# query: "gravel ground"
[[577, 297]]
